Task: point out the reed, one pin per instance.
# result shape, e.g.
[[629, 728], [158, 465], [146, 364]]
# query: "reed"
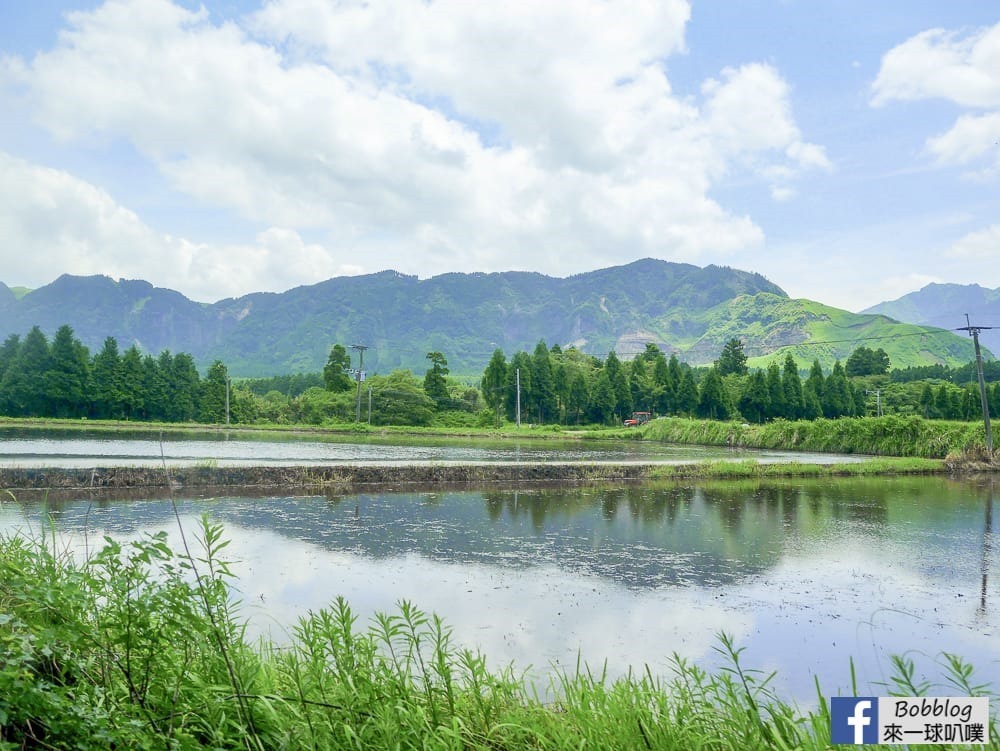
[[878, 436]]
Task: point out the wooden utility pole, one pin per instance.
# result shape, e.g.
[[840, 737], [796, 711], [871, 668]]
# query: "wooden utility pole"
[[974, 333], [519, 397], [360, 376]]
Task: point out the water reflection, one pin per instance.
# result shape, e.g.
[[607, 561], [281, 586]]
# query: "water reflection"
[[806, 574], [987, 549]]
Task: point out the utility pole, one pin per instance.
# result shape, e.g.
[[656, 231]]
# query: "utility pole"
[[369, 405], [519, 397], [974, 333], [360, 376], [227, 400]]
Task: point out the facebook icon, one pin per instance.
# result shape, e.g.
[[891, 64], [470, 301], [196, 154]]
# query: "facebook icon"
[[854, 719]]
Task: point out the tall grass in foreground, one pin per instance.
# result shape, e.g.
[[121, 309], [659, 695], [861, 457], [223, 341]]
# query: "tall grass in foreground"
[[140, 647]]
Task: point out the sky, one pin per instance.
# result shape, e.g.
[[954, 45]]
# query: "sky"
[[849, 151]]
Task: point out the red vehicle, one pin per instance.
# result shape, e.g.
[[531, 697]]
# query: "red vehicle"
[[637, 419]]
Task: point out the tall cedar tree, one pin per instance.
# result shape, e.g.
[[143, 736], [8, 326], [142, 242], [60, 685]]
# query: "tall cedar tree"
[[713, 402], [23, 386], [335, 372], [435, 385], [732, 360], [67, 379], [543, 384], [791, 385], [492, 384], [106, 377]]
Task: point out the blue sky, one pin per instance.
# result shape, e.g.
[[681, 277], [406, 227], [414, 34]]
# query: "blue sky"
[[848, 151]]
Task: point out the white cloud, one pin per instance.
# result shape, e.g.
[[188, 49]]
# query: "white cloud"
[[940, 64], [429, 136], [972, 137], [53, 223], [978, 246]]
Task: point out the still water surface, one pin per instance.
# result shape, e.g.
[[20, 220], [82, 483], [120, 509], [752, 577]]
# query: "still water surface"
[[71, 448], [805, 574]]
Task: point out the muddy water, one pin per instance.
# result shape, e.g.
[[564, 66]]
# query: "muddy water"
[[805, 574]]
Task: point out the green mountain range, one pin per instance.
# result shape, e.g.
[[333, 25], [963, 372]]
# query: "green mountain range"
[[680, 307], [945, 306]]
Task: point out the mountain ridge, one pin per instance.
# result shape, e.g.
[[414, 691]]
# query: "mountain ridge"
[[680, 307], [945, 305]]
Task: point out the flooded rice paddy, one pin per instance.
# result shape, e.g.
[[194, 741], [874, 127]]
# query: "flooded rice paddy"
[[805, 574], [79, 448]]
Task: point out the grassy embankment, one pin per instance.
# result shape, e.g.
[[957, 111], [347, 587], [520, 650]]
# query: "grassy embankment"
[[878, 436], [140, 647]]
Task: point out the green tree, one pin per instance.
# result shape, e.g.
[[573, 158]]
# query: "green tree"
[[67, 378], [106, 380], [184, 388], [578, 397], [619, 385], [561, 385], [687, 394], [775, 392], [519, 371], [155, 379], [8, 352], [23, 386], [665, 384], [435, 385], [335, 372], [791, 385], [837, 399], [755, 401], [813, 392], [971, 403], [543, 384], [492, 383], [942, 403], [864, 361], [602, 399], [640, 386], [713, 401], [316, 406], [732, 360], [212, 405], [133, 389], [927, 407], [399, 399]]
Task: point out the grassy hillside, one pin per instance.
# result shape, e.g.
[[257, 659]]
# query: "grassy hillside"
[[771, 327]]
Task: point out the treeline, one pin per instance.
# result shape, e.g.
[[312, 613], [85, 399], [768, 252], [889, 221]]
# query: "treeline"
[[62, 379], [964, 374], [569, 387], [550, 386]]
